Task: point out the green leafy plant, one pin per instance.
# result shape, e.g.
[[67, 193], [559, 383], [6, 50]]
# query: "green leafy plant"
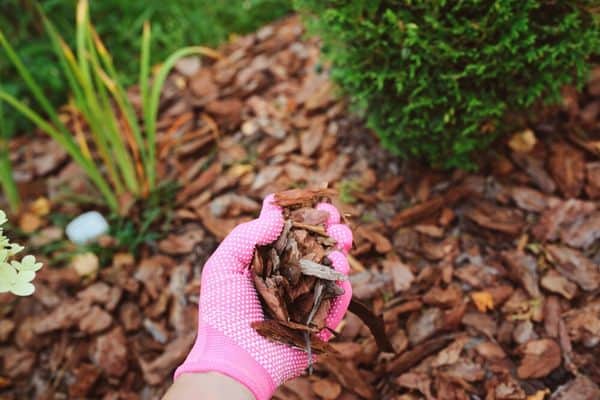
[[175, 23], [348, 187], [15, 275], [147, 222], [442, 79], [121, 143], [7, 181]]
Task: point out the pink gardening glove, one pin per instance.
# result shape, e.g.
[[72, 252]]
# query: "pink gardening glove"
[[226, 342]]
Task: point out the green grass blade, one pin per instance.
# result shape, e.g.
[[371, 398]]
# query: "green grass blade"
[[70, 68], [89, 104], [69, 145], [111, 81], [145, 66], [7, 181], [110, 127], [151, 113], [65, 58], [29, 81], [82, 19]]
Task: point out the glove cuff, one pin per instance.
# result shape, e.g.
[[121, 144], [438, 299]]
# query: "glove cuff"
[[215, 352]]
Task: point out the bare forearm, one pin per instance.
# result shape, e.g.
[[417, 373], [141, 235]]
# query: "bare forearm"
[[207, 386]]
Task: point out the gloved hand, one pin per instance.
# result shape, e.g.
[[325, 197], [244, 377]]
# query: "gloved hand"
[[226, 342]]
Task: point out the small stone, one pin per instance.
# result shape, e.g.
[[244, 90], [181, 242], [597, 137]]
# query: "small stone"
[[30, 222], [85, 264], [87, 227]]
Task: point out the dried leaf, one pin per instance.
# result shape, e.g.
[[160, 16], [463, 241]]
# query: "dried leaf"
[[483, 301], [523, 141]]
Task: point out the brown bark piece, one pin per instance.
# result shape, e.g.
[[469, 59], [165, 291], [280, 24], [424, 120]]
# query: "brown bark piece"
[[301, 197], [62, 317], [567, 166], [348, 375], [496, 218], [419, 211], [277, 332], [157, 370], [560, 216], [84, 378], [534, 167], [96, 320], [109, 352], [580, 388], [272, 297], [592, 187], [584, 232], [557, 283], [575, 266], [540, 358], [17, 363]]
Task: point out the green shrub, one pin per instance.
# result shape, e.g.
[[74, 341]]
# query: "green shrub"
[[438, 79]]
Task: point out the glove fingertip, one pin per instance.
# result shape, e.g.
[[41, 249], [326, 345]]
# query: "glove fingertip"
[[269, 205], [342, 235], [339, 262], [334, 214]]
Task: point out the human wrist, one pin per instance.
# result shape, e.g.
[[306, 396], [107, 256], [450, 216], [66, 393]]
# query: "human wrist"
[[208, 386], [215, 352]]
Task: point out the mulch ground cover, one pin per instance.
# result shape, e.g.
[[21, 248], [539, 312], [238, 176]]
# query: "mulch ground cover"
[[488, 282]]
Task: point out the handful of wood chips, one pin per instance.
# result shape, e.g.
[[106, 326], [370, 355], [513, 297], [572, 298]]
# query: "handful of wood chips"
[[293, 276], [296, 282]]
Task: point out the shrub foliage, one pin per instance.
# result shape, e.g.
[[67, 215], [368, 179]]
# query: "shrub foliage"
[[437, 79]]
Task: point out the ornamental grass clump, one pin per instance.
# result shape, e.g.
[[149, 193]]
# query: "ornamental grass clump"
[[15, 275], [115, 146], [442, 79]]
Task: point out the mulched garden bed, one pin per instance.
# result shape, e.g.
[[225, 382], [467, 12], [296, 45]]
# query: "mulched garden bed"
[[488, 282]]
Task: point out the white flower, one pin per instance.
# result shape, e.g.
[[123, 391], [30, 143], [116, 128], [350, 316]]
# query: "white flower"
[[18, 283], [27, 264], [14, 248], [15, 276]]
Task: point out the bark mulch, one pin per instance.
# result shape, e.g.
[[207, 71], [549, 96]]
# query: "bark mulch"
[[488, 282]]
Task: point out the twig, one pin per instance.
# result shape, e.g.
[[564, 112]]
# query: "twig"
[[318, 295], [318, 229], [374, 323]]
